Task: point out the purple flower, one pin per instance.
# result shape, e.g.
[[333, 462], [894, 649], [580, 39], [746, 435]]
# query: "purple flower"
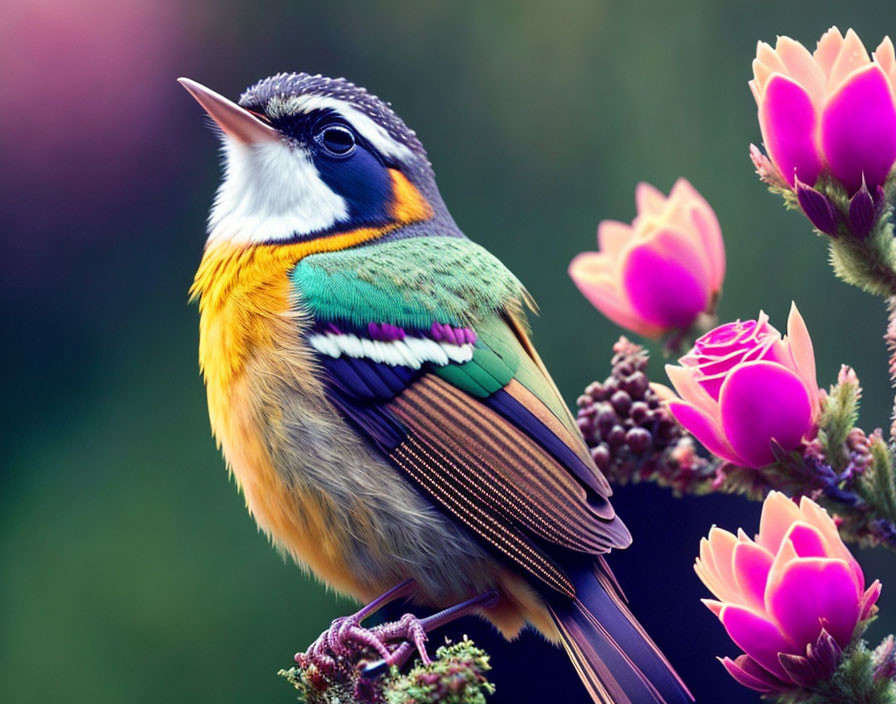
[[662, 271], [790, 599], [834, 109], [743, 386]]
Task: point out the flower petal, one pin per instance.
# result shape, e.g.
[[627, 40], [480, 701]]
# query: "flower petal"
[[869, 599], [612, 236], [800, 344], [761, 402], [707, 225], [828, 50], [713, 605], [589, 273], [788, 120], [708, 571], [701, 425], [721, 548], [691, 390], [802, 67], [757, 637], [778, 514], [748, 673], [816, 516], [885, 56], [808, 590], [766, 55], [752, 563], [664, 280], [807, 540], [695, 216], [648, 199], [851, 57], [858, 129]]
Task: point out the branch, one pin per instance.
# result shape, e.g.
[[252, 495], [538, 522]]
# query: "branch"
[[455, 676]]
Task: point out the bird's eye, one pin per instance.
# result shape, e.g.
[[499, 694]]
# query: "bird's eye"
[[338, 140]]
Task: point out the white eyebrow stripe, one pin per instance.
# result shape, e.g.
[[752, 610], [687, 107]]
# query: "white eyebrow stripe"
[[370, 130]]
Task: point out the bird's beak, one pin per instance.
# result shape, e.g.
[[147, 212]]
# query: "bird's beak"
[[237, 122]]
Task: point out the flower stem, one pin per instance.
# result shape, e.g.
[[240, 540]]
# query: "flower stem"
[[869, 264], [890, 339]]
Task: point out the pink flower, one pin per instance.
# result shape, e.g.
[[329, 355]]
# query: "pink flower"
[[791, 598], [743, 385], [834, 109], [659, 273]]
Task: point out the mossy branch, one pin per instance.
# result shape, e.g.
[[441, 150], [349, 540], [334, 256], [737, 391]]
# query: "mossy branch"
[[457, 675]]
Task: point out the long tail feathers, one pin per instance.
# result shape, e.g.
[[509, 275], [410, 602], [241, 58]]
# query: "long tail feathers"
[[614, 656]]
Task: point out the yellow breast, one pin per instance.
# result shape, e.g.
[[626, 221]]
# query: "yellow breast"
[[250, 331]]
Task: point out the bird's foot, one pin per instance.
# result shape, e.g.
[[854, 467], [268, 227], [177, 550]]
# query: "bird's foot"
[[409, 629], [346, 635], [412, 632], [346, 640]]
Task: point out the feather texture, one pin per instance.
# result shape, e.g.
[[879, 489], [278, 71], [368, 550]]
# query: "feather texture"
[[615, 658], [508, 466]]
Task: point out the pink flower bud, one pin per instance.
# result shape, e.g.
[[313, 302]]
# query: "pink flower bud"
[[834, 109], [659, 273], [743, 386], [790, 599]]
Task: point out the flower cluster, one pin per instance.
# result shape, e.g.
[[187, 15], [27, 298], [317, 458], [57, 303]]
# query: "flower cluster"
[[793, 599], [622, 418]]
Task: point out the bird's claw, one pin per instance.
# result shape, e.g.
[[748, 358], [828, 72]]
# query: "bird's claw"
[[337, 643]]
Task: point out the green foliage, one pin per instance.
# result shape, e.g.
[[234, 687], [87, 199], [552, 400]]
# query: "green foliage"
[[788, 195], [839, 415], [869, 264], [876, 485], [854, 682], [457, 676]]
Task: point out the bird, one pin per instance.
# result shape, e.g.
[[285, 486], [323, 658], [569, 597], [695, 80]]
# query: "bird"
[[372, 384]]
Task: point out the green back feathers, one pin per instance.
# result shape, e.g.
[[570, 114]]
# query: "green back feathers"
[[496, 359], [408, 283], [412, 282]]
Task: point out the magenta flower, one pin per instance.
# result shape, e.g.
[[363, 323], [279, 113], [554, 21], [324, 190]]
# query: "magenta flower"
[[834, 109], [743, 386], [659, 273], [790, 599]]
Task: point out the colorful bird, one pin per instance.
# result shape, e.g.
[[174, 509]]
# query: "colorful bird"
[[371, 382]]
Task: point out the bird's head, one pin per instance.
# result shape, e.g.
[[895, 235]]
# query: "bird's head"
[[307, 156]]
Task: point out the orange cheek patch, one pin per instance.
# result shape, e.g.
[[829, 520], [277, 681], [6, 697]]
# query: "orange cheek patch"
[[408, 204]]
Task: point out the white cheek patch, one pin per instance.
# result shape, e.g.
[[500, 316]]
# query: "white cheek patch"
[[375, 134], [271, 191], [411, 352]]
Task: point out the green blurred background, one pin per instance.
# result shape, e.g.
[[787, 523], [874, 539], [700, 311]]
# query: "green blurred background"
[[129, 568]]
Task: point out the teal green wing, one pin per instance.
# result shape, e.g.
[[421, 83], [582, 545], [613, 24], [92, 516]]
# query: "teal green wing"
[[423, 350]]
